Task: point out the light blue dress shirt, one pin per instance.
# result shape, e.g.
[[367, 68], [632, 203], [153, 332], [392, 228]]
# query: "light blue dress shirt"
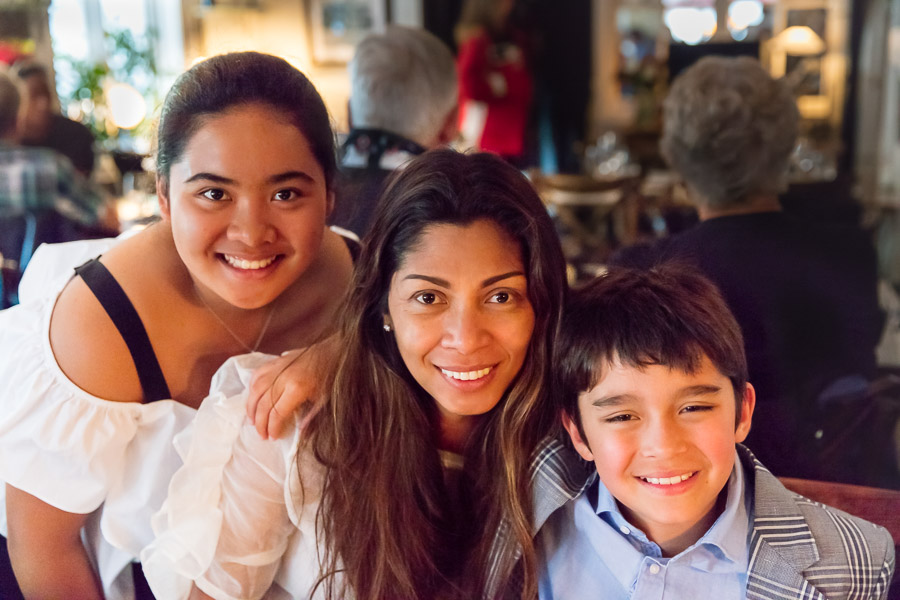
[[588, 550]]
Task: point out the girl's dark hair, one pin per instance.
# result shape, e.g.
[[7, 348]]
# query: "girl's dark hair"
[[228, 80], [670, 315], [383, 514]]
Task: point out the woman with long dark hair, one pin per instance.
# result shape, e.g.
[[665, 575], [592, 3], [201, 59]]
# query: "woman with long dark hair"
[[412, 468]]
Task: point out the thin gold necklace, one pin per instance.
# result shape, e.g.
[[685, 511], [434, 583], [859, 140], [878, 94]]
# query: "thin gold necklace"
[[262, 332]]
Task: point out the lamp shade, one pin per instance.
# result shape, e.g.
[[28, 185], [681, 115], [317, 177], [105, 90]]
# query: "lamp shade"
[[126, 105], [800, 40]]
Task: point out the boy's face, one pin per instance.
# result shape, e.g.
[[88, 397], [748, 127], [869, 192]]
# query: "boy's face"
[[663, 443]]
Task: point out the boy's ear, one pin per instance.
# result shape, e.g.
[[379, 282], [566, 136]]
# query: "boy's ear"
[[165, 210], [748, 403], [580, 445]]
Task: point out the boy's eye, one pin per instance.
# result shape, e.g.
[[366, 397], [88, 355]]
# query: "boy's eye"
[[214, 194], [620, 418], [697, 408]]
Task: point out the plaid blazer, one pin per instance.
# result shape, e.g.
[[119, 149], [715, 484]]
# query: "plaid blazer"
[[799, 549]]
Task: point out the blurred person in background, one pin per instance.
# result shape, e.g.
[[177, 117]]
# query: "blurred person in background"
[[42, 197], [403, 101], [43, 127], [495, 80], [804, 295]]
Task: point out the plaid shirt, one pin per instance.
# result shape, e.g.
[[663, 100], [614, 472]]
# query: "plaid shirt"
[[799, 549], [39, 179]]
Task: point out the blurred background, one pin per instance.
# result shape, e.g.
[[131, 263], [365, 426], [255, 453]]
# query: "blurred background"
[[600, 69]]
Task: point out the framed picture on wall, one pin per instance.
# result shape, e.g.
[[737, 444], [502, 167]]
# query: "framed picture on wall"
[[336, 26]]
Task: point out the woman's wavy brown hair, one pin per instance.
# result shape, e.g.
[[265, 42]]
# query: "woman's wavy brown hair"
[[383, 520]]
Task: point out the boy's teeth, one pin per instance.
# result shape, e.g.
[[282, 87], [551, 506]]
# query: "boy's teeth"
[[667, 480], [467, 375], [240, 263]]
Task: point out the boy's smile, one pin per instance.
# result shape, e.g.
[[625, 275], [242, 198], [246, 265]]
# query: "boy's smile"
[[663, 444]]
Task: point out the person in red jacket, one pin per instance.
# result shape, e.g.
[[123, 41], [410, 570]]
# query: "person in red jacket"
[[495, 81]]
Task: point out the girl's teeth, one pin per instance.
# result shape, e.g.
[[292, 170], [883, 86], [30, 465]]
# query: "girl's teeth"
[[667, 480], [249, 265], [467, 375]]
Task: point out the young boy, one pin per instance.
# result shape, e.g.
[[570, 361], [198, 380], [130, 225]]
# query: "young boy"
[[654, 381]]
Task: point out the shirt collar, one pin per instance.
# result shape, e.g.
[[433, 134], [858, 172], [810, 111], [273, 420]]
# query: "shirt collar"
[[722, 549]]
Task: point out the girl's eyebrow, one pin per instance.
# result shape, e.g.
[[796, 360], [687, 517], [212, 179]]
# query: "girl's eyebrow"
[[444, 283], [209, 177], [288, 175], [277, 178]]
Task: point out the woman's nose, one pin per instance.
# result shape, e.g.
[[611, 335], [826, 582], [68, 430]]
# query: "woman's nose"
[[465, 329]]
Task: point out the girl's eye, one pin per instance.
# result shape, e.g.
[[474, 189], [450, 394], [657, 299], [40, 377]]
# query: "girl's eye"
[[214, 194], [286, 195], [501, 297], [426, 297]]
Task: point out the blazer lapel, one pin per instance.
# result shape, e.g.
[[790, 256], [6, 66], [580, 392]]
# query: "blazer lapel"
[[781, 544]]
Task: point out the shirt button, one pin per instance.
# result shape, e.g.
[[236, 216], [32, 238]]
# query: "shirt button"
[[624, 530], [654, 569]]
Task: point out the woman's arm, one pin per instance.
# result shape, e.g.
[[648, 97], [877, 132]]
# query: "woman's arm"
[[46, 551]]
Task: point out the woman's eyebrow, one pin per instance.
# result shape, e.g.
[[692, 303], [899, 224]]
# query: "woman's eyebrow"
[[446, 284], [496, 278]]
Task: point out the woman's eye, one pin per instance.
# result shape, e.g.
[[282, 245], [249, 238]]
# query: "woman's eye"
[[286, 195], [214, 194], [426, 297], [501, 297]]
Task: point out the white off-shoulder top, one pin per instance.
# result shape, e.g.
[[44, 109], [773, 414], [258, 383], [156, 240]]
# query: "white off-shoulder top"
[[237, 522], [74, 451]]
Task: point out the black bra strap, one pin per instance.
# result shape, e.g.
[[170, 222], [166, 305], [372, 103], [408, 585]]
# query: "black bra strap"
[[120, 309]]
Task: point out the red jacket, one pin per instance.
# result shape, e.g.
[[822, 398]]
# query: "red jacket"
[[496, 77]]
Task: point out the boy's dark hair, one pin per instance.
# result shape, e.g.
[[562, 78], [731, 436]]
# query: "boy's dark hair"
[[670, 315]]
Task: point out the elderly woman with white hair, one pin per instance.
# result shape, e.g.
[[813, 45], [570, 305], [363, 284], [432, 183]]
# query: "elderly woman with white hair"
[[805, 296]]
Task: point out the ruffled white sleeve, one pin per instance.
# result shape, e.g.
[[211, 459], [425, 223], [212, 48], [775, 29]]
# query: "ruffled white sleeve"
[[225, 525]]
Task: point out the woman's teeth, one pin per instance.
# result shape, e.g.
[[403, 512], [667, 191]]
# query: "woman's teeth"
[[467, 375], [240, 263], [667, 480]]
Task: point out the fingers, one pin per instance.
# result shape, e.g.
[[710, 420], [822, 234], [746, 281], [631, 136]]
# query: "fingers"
[[261, 414], [292, 394], [276, 390]]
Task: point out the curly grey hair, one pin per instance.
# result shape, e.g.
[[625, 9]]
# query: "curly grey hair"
[[403, 81], [729, 129]]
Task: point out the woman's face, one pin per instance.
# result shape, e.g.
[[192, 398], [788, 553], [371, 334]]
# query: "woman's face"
[[460, 312], [247, 203]]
